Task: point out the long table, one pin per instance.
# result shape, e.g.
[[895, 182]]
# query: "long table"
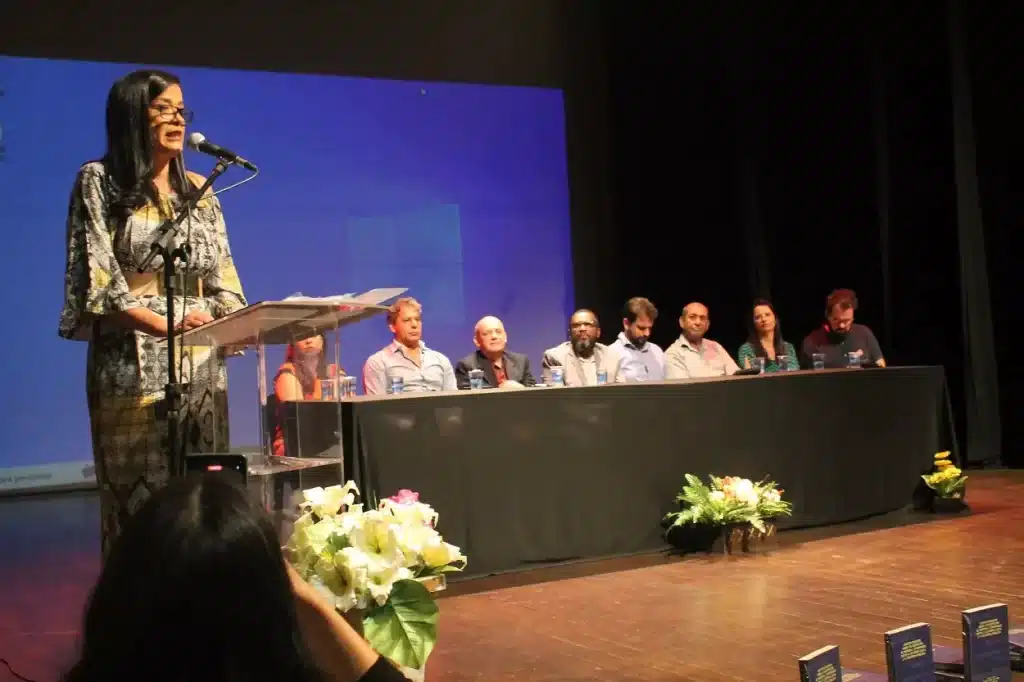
[[531, 477]]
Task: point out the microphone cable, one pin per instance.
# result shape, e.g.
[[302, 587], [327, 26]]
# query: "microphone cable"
[[239, 183]]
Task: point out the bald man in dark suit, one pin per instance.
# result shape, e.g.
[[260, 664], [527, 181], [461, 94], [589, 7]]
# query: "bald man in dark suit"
[[501, 368]]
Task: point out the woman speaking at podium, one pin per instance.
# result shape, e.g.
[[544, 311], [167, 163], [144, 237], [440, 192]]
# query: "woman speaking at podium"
[[118, 205]]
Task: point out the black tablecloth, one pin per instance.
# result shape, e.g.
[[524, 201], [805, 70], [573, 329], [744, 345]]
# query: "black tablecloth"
[[522, 478]]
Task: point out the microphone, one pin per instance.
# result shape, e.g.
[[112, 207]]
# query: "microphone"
[[198, 142]]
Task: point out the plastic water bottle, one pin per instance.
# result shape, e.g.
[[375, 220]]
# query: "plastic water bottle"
[[557, 376], [397, 384], [327, 389], [602, 377]]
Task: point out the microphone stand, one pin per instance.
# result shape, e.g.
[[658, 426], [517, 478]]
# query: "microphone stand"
[[163, 246]]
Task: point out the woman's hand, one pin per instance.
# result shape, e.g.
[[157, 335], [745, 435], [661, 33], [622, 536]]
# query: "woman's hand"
[[303, 591], [194, 319], [338, 651]]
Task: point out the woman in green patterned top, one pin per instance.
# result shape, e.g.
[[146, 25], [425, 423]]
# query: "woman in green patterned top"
[[765, 341]]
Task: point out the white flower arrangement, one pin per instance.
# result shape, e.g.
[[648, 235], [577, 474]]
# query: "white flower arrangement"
[[729, 500], [376, 561]]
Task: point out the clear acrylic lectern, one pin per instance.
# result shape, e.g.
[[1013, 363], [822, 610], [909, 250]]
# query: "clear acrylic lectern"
[[300, 386]]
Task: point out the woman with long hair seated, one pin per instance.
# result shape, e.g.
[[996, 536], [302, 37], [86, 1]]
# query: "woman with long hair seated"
[[197, 588], [765, 341], [300, 377]]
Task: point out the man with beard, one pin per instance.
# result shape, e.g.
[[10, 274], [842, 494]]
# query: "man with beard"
[[692, 355], [501, 367], [582, 357], [840, 337], [641, 359], [407, 357]]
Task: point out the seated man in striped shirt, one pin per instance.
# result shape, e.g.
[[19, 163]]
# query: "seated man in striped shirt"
[[692, 355], [407, 357]]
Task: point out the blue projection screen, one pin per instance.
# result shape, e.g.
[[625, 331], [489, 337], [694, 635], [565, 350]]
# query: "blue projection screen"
[[457, 191]]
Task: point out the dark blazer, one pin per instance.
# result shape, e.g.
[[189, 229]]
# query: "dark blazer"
[[517, 368]]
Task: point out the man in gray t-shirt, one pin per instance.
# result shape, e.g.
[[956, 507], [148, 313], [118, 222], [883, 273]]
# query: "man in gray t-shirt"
[[840, 336]]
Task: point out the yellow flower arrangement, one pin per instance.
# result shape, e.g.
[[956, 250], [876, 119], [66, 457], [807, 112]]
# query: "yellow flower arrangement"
[[947, 480]]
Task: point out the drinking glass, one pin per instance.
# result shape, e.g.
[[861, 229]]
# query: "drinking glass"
[[818, 361], [476, 379], [328, 389]]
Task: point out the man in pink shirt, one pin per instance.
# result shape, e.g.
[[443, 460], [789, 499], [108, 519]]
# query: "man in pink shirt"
[[692, 355]]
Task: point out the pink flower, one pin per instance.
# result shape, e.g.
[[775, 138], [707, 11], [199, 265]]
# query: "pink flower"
[[405, 496]]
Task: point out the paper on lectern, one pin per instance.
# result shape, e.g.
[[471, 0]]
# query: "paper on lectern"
[[337, 298], [371, 297]]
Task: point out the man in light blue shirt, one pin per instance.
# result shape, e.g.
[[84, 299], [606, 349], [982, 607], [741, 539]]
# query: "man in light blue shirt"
[[420, 368], [641, 359]]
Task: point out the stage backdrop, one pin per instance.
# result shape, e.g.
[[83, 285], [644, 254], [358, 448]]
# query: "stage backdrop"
[[457, 191]]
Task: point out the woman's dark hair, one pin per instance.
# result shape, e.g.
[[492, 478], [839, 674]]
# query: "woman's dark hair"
[[306, 375], [194, 589], [129, 157], [755, 339]]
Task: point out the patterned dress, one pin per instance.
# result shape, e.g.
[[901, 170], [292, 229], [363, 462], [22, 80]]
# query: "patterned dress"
[[127, 370]]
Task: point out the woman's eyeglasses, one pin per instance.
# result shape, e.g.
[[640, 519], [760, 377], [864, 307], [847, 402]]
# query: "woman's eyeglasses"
[[168, 112]]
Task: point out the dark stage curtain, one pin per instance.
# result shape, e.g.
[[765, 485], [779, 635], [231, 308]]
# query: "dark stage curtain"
[[981, 381], [779, 150], [993, 52]]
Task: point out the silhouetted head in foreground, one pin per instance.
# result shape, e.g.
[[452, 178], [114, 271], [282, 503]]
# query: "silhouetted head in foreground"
[[195, 588]]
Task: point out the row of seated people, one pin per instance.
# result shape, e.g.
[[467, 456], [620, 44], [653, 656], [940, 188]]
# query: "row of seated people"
[[582, 359], [632, 357]]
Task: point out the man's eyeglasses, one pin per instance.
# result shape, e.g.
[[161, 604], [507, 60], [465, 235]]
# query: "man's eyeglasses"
[[169, 111]]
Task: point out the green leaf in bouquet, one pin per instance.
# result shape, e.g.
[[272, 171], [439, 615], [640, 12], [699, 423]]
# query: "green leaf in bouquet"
[[693, 481], [404, 629], [338, 542]]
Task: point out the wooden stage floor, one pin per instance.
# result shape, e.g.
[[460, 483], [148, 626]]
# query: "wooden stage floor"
[[638, 618]]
